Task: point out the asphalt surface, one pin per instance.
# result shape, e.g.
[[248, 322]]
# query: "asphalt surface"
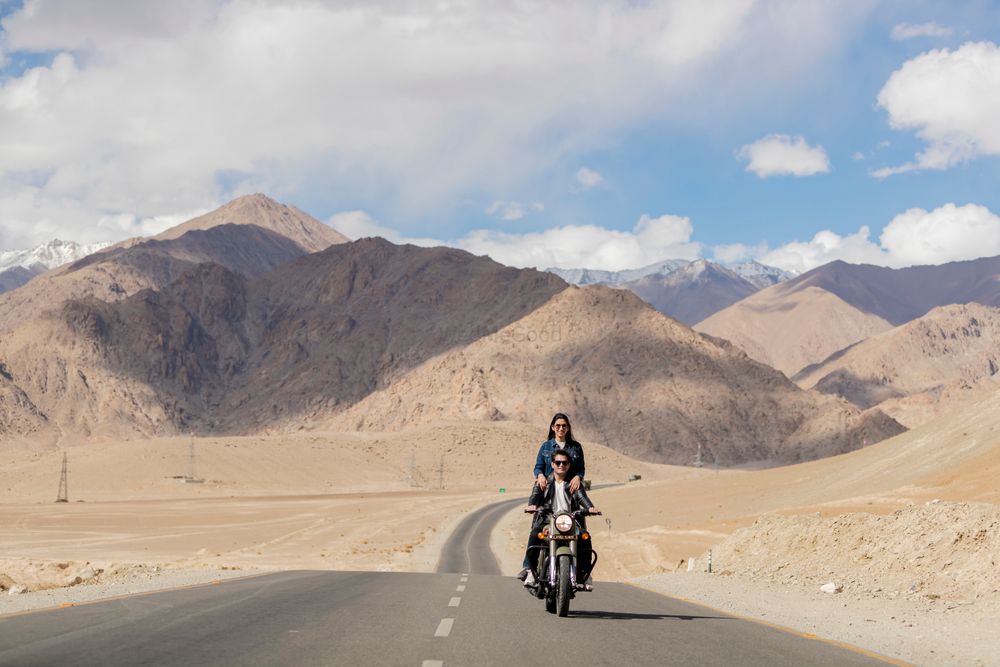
[[384, 618], [468, 547]]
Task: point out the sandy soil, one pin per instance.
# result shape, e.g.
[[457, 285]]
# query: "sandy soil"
[[371, 501], [921, 632]]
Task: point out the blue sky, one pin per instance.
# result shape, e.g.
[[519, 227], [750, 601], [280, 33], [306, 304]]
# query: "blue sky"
[[606, 135]]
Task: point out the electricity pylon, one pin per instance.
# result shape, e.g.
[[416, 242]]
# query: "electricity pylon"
[[63, 496]]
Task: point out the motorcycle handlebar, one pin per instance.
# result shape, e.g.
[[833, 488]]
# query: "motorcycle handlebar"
[[578, 512]]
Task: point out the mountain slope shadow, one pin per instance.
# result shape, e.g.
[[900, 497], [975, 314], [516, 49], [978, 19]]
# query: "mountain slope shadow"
[[222, 353]]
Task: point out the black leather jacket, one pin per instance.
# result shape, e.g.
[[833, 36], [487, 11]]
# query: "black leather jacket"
[[539, 498]]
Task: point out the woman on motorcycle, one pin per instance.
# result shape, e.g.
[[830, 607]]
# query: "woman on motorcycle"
[[560, 437], [557, 496]]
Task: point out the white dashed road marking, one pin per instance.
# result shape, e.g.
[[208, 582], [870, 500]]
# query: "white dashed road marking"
[[464, 579], [460, 589], [454, 602], [432, 663], [444, 627]]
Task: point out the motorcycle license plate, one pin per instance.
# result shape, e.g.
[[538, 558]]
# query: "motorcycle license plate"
[[564, 537]]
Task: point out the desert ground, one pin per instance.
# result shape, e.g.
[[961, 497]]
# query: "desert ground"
[[907, 529]]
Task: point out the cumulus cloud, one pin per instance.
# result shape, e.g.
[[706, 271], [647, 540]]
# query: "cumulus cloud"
[[903, 31], [951, 99], [512, 210], [32, 217], [152, 108], [570, 246], [359, 224], [784, 155], [917, 236], [946, 234], [589, 178], [588, 246], [734, 253]]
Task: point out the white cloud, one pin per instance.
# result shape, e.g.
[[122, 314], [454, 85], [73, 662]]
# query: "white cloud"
[[917, 236], [857, 156], [903, 31], [589, 178], [588, 246], [783, 155], [161, 106], [512, 210], [571, 246], [946, 234], [734, 253], [358, 224], [31, 217], [952, 100]]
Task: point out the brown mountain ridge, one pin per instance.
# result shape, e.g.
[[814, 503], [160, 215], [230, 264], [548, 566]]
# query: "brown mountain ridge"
[[915, 371], [232, 330], [804, 320]]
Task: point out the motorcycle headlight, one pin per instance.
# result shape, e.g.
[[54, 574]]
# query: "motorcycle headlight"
[[564, 522]]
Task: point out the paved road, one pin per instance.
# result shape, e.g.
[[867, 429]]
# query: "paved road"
[[468, 547], [370, 618], [362, 618]]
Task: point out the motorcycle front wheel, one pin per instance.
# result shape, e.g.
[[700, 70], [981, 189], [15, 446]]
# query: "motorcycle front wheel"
[[563, 586]]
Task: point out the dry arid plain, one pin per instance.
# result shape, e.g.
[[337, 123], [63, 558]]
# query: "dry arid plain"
[[377, 405], [907, 527]]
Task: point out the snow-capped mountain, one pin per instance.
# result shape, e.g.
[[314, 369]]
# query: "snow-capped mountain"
[[595, 276], [755, 273], [760, 275], [688, 291], [49, 255]]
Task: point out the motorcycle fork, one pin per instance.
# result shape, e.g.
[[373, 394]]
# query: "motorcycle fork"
[[553, 560], [572, 561]]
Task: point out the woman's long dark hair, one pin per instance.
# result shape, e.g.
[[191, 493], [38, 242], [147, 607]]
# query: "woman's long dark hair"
[[569, 428]]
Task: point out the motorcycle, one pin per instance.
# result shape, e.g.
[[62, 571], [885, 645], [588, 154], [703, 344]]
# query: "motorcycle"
[[556, 562]]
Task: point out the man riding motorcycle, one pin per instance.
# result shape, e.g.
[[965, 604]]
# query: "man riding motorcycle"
[[557, 497]]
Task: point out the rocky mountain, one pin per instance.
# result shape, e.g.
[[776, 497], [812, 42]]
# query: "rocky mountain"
[[599, 277], [804, 320], [950, 355], [630, 378], [17, 276], [685, 290], [48, 255], [227, 236], [346, 336], [17, 267], [760, 275], [692, 292], [261, 211], [219, 351]]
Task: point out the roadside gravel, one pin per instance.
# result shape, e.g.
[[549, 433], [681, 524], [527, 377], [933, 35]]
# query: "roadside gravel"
[[116, 581], [921, 632]]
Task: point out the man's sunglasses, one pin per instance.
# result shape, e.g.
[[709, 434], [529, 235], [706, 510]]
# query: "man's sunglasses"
[[560, 463]]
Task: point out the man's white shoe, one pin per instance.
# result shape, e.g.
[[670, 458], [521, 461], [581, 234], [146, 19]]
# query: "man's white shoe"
[[529, 580]]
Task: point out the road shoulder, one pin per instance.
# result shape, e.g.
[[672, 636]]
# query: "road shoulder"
[[919, 632]]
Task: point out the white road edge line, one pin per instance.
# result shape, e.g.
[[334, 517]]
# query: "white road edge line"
[[460, 589], [454, 602], [444, 627], [432, 663]]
